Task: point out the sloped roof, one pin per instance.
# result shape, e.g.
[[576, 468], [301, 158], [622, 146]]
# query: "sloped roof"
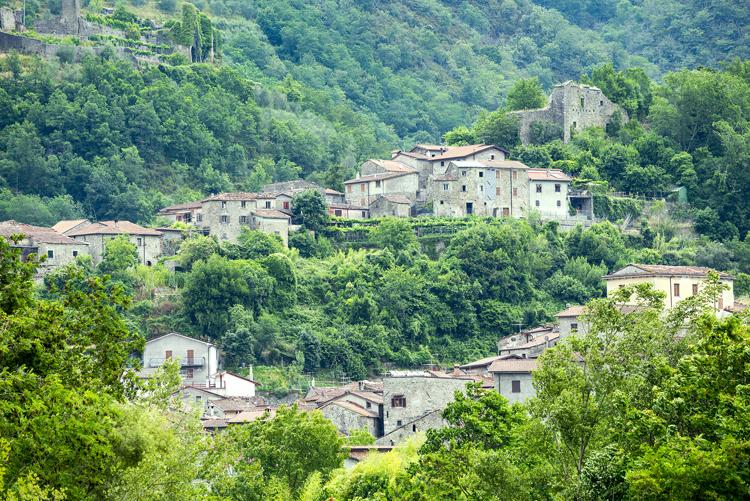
[[252, 415], [180, 335], [514, 366], [572, 311], [392, 165], [331, 191], [430, 147], [234, 196], [234, 404], [37, 234], [537, 341], [465, 151], [655, 270], [114, 228], [179, 207], [482, 362], [379, 176], [490, 164], [446, 177], [548, 175], [348, 206], [270, 214], [221, 373], [351, 406], [68, 224], [396, 199], [412, 154]]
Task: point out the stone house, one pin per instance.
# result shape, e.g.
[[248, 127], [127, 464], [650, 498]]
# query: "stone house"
[[481, 366], [298, 185], [548, 193], [432, 160], [334, 197], [349, 211], [410, 396], [513, 378], [67, 225], [496, 188], [146, 240], [677, 282], [199, 360], [363, 190], [52, 248], [530, 343], [348, 416], [224, 215], [569, 321], [391, 205]]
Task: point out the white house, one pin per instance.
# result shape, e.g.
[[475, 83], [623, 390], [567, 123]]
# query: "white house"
[[199, 360], [513, 378], [548, 192]]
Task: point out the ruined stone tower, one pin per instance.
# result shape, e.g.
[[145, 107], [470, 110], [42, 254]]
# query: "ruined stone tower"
[[70, 14], [573, 107]]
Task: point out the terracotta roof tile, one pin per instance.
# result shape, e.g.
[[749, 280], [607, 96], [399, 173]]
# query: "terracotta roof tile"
[[548, 175], [453, 152], [352, 407], [271, 214], [114, 228], [68, 224], [392, 165], [522, 365], [665, 270], [37, 234], [396, 199], [179, 207], [379, 176]]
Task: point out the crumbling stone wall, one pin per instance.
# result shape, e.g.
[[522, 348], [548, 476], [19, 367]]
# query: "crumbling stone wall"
[[7, 19], [572, 106]]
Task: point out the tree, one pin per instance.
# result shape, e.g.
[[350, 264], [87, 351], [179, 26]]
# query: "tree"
[[252, 244], [498, 128], [460, 136], [119, 256], [310, 210], [290, 446], [196, 249], [394, 234], [526, 94]]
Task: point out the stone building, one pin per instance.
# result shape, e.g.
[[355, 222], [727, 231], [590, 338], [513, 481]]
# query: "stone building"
[[529, 343], [53, 248], [298, 185], [146, 240], [363, 190], [391, 205], [348, 416], [348, 211], [573, 107], [224, 215], [409, 398], [513, 378], [482, 187], [548, 193], [183, 213]]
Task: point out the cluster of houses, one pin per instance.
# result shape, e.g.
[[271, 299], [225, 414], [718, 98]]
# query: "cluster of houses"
[[459, 181], [403, 403]]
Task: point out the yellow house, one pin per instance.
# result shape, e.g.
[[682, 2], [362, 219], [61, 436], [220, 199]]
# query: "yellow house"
[[677, 282]]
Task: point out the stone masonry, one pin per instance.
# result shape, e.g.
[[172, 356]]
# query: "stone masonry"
[[572, 106]]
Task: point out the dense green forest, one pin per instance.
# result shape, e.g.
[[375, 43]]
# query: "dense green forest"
[[649, 414]]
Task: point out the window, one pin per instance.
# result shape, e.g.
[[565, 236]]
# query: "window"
[[676, 290], [243, 204], [140, 242], [190, 357], [362, 188], [197, 398], [225, 219], [442, 163], [481, 173], [506, 212], [75, 253], [286, 205], [223, 205], [50, 254], [515, 175], [398, 401], [481, 187], [463, 188], [364, 213], [337, 212], [538, 188], [601, 103], [268, 204], [574, 327], [582, 103], [349, 188], [721, 302], [200, 218], [189, 374], [398, 423], [515, 386], [377, 184], [243, 219], [463, 172], [695, 289], [414, 428], [445, 186], [536, 203], [368, 405], [559, 203], [442, 202], [575, 124], [492, 157], [515, 192], [168, 354], [557, 188], [497, 191]]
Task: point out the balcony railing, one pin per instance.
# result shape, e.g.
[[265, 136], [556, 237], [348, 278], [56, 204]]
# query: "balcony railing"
[[184, 362]]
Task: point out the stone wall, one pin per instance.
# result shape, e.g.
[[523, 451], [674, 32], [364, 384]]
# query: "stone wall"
[[504, 386], [30, 46], [572, 106]]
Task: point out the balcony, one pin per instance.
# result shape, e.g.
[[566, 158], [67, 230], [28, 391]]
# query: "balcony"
[[184, 362]]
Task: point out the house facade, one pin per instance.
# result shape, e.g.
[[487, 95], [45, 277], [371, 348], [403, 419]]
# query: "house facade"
[[183, 213], [548, 193], [96, 235], [676, 282], [52, 248], [363, 190], [198, 359], [391, 205], [495, 188], [348, 211], [513, 378], [224, 215], [348, 416]]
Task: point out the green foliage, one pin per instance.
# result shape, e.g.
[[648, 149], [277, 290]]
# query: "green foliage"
[[360, 436], [196, 249], [497, 128], [310, 210], [526, 95]]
